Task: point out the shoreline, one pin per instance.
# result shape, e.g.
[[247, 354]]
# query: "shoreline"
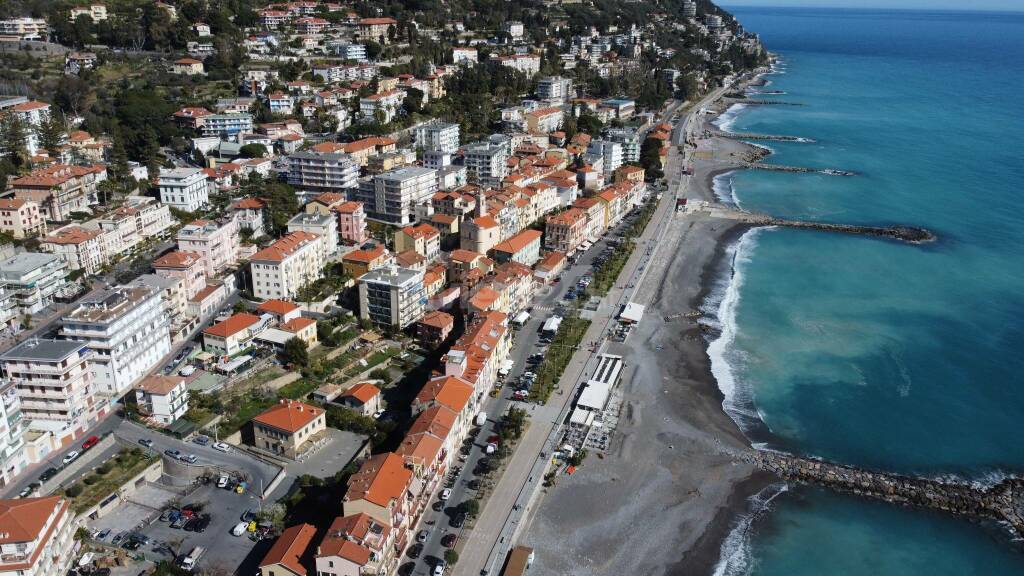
[[673, 447]]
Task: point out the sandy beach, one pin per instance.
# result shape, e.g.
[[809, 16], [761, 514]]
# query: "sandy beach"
[[667, 494]]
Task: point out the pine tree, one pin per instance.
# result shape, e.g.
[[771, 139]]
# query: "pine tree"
[[119, 158], [13, 140], [52, 133]]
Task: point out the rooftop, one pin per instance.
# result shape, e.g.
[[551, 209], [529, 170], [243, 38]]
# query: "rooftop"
[[44, 349], [108, 305], [288, 415]]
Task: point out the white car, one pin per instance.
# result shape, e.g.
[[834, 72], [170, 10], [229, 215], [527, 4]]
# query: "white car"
[[222, 482], [222, 446], [378, 414], [445, 494], [70, 457], [187, 370], [240, 528], [439, 568]]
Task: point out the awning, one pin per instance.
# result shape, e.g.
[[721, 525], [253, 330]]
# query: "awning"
[[521, 318], [552, 324], [234, 364], [633, 312]]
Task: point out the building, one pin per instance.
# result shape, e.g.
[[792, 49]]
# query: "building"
[[438, 136], [25, 28], [392, 296], [326, 172], [620, 107], [184, 188], [423, 238], [234, 335], [435, 327], [464, 55], [393, 196], [359, 262], [349, 51], [281, 269], [352, 222], [34, 280], [288, 554], [248, 212], [364, 398], [355, 545], [289, 428], [83, 249], [544, 120], [523, 248], [162, 398], [479, 234], [128, 331], [226, 125], [382, 107], [528, 64], [554, 88], [630, 141], [610, 153], [566, 230], [38, 536], [486, 162], [380, 489], [53, 381], [689, 9], [12, 435], [550, 267], [188, 267], [216, 242], [60, 189], [187, 67], [379, 30], [323, 225], [21, 218]]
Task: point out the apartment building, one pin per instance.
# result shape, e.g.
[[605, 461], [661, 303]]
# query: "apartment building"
[[21, 218], [216, 242], [279, 270], [34, 280], [594, 210], [382, 107], [352, 222], [32, 113], [25, 28], [423, 238], [38, 536], [53, 381], [83, 249], [630, 141], [227, 124], [128, 331], [554, 88], [327, 172], [184, 188], [523, 248], [392, 296], [480, 234], [288, 429], [378, 30], [486, 162], [357, 544], [349, 50], [60, 189], [610, 153], [188, 267], [233, 335], [95, 12], [323, 225], [544, 120], [528, 64], [393, 196], [12, 430], [438, 136], [248, 212], [360, 261], [162, 399], [565, 231], [381, 490]]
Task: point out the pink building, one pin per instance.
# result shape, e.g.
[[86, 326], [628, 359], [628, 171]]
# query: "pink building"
[[216, 243], [188, 266], [352, 222]]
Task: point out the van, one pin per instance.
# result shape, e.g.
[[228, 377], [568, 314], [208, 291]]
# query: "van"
[[189, 561], [240, 528]]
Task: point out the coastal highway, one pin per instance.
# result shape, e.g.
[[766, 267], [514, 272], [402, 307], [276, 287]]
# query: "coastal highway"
[[507, 510]]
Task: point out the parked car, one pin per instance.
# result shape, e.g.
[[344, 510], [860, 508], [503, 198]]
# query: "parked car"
[[422, 536], [190, 458], [26, 491], [176, 454], [222, 482], [450, 540], [187, 371], [240, 529], [146, 442], [47, 474], [201, 439], [71, 456], [248, 516], [415, 550], [165, 516], [445, 494], [179, 522], [90, 442], [439, 568], [221, 446], [458, 520]]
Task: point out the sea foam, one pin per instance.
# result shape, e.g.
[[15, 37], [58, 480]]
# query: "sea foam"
[[725, 121], [735, 558]]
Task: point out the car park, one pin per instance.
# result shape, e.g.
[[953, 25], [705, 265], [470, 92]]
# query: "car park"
[[71, 456]]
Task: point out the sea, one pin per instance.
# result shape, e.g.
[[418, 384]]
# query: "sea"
[[871, 352]]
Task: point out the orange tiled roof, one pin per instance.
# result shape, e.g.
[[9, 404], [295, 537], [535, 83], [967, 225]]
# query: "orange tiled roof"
[[279, 307], [232, 325], [438, 319], [381, 479], [296, 325], [288, 415], [284, 247], [177, 259], [519, 241], [290, 547], [364, 392], [72, 235]]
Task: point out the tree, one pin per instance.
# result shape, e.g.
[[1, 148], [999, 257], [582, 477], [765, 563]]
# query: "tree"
[[253, 151], [513, 423], [451, 557], [470, 508], [589, 123], [413, 101], [13, 140], [650, 157], [295, 352], [275, 515], [52, 133]]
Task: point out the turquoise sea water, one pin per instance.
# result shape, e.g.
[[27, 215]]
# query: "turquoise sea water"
[[907, 358]]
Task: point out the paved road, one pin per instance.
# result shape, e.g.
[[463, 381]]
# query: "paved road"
[[507, 509]]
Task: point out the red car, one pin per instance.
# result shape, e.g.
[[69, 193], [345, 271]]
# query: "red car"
[[90, 442]]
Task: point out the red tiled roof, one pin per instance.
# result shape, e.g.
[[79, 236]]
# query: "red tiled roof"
[[381, 479], [518, 242], [285, 247], [232, 325], [296, 325], [288, 415], [364, 392], [279, 307], [290, 547]]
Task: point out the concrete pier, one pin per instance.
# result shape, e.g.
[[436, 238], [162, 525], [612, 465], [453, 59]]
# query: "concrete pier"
[[1003, 501]]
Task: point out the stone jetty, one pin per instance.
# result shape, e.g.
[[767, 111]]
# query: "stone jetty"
[[772, 137], [768, 102], [799, 169], [911, 234], [1003, 501]]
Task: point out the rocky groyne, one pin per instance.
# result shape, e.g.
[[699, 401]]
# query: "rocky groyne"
[[911, 234], [1003, 501], [768, 137], [799, 169]]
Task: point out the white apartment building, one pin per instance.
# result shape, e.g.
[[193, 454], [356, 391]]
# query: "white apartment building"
[[184, 188], [323, 225], [227, 124], [349, 51], [464, 55], [381, 107], [610, 153], [95, 12], [393, 196], [486, 162], [323, 172], [216, 242], [127, 329], [34, 279], [392, 296], [279, 270], [630, 141], [514, 29], [31, 113], [52, 380], [554, 88], [438, 136], [24, 28], [528, 64], [12, 431], [38, 536]]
